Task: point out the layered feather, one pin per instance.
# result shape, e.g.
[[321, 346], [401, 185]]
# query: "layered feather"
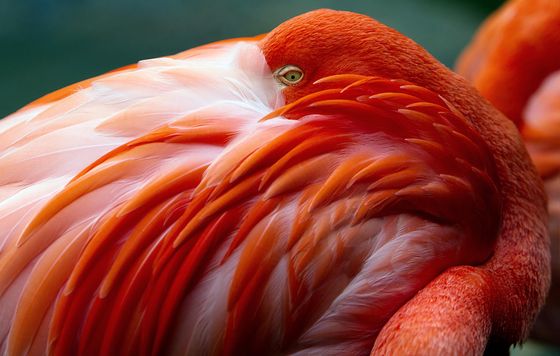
[[178, 207]]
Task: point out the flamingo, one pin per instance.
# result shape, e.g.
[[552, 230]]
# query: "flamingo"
[[514, 62], [326, 188]]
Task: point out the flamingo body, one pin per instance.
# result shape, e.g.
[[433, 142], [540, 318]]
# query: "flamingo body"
[[192, 205], [514, 62]]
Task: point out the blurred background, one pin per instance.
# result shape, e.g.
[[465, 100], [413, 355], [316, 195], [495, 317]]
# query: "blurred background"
[[48, 44]]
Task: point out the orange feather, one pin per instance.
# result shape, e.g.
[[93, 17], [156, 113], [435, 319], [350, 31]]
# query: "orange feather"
[[514, 61], [200, 206]]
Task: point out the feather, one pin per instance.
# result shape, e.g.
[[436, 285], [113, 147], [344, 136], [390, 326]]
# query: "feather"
[[206, 216]]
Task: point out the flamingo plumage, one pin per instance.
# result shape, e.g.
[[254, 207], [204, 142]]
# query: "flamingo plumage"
[[514, 62], [301, 192]]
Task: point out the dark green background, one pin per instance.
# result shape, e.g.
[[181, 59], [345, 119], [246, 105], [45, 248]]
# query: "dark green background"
[[47, 44]]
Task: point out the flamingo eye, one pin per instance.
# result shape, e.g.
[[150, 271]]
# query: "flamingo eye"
[[289, 75]]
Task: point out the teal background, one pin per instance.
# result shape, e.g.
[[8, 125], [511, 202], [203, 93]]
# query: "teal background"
[[48, 44]]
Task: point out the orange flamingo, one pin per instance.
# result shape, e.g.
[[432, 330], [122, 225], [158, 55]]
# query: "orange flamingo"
[[303, 192], [514, 61]]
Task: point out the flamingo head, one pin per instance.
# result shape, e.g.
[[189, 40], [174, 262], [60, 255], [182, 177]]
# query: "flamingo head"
[[324, 43]]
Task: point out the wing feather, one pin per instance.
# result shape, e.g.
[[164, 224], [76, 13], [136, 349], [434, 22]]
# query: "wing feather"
[[88, 160], [220, 225]]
